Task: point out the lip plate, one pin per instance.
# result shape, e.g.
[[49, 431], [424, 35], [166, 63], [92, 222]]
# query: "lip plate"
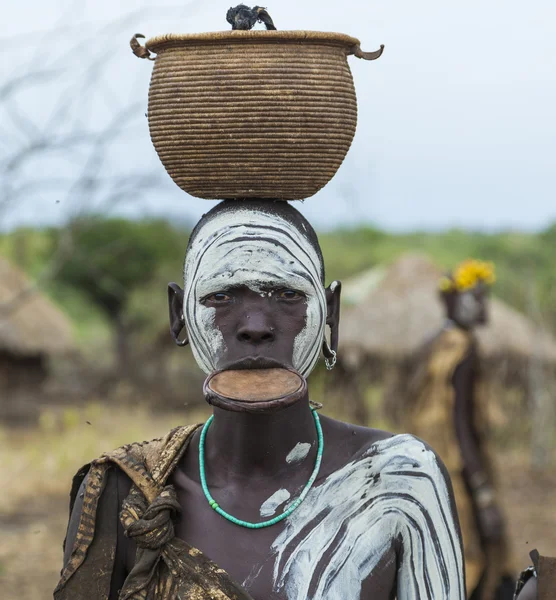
[[253, 406]]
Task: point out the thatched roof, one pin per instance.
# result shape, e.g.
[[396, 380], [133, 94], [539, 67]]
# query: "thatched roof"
[[30, 324], [390, 313]]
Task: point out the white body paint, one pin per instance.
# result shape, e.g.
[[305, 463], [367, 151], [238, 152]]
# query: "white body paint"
[[257, 250], [298, 453], [268, 507], [348, 523]]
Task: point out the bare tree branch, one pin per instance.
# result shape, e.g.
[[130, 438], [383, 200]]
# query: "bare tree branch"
[[66, 153]]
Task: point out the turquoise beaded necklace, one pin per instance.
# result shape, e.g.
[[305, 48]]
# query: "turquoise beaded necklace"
[[286, 513]]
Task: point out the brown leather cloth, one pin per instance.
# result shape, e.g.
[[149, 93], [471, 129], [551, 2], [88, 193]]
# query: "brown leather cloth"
[[546, 575], [166, 568], [430, 416]]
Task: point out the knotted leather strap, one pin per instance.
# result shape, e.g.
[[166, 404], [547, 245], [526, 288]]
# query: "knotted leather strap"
[[151, 526], [166, 568]]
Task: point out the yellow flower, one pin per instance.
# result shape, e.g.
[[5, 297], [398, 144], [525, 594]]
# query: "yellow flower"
[[445, 284], [470, 272]]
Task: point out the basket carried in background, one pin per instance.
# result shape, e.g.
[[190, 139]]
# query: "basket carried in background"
[[252, 114]]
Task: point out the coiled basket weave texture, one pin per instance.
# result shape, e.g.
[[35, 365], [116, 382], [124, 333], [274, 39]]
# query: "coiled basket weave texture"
[[252, 114]]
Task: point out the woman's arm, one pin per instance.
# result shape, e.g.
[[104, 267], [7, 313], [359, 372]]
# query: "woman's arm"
[[431, 563], [476, 472]]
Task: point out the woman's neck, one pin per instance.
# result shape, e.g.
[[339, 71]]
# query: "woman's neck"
[[247, 445]]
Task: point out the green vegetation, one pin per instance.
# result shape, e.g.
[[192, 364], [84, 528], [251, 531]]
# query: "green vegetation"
[[108, 260], [525, 262], [119, 267], [98, 266]]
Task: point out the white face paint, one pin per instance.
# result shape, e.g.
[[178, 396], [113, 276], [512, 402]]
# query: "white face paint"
[[298, 453], [350, 522], [268, 507], [261, 251], [467, 309]]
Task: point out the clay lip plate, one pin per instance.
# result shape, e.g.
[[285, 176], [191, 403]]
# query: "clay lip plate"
[[256, 385]]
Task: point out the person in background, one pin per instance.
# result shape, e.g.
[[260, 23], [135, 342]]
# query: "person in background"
[[444, 407]]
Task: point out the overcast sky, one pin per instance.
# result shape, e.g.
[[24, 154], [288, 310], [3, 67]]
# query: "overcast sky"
[[457, 122]]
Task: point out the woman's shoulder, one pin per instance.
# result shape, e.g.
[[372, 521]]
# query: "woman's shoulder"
[[406, 455], [397, 456], [358, 441], [158, 453]]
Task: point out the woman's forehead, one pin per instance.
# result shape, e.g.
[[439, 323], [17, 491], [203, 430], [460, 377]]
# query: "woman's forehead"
[[259, 241], [273, 277]]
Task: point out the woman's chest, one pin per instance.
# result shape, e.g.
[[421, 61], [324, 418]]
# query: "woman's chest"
[[247, 555], [315, 553]]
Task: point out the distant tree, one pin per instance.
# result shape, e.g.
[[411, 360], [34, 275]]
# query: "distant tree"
[[547, 285], [110, 259]]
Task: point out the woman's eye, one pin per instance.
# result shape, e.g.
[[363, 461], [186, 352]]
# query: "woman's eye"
[[219, 297], [290, 294]]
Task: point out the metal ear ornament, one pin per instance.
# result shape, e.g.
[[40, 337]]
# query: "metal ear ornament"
[[330, 355], [330, 362]]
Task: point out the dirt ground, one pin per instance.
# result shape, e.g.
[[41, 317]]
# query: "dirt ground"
[[529, 502], [33, 515]]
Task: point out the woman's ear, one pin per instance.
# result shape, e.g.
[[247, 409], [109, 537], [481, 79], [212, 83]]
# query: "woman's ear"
[[175, 308], [333, 293]]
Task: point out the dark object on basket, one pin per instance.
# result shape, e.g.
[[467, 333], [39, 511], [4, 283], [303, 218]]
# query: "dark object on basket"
[[245, 18]]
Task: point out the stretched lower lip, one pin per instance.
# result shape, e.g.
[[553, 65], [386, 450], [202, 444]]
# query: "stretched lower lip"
[[263, 390], [254, 362]]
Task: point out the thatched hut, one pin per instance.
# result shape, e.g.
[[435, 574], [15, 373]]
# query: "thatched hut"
[[32, 330], [388, 314]]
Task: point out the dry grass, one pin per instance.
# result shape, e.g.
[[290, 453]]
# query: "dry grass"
[[31, 551], [528, 499], [41, 462], [37, 466]]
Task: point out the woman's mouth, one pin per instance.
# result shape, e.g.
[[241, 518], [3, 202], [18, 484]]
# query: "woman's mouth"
[[253, 362]]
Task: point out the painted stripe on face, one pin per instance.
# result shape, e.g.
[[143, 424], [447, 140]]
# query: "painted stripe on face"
[[260, 251], [346, 525]]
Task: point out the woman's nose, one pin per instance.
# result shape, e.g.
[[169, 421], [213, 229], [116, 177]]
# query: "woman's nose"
[[255, 329]]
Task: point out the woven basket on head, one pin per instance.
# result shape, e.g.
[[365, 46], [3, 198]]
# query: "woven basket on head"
[[252, 114]]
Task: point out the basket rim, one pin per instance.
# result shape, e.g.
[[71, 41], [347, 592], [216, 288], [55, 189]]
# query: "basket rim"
[[159, 42]]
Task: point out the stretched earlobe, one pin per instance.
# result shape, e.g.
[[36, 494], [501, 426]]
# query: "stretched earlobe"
[[177, 320], [183, 342], [333, 294]]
